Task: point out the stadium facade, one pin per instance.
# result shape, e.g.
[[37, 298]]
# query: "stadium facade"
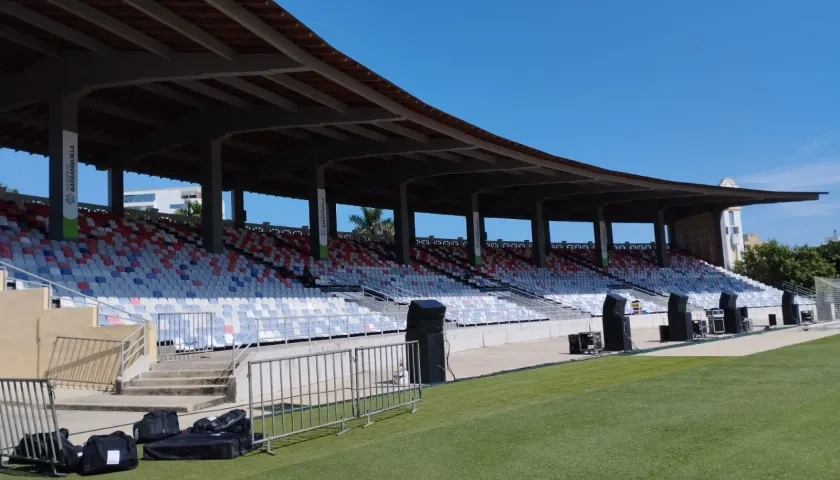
[[163, 200]]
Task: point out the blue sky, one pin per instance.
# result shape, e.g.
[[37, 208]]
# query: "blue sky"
[[691, 91]]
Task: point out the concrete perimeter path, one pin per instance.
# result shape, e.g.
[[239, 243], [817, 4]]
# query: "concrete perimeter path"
[[747, 345]]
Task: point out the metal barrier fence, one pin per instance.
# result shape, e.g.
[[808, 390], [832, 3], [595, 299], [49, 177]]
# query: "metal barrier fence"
[[293, 395], [287, 396], [28, 424], [85, 362], [387, 377], [185, 336]]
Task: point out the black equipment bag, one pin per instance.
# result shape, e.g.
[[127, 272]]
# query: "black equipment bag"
[[116, 452], [200, 446], [156, 425], [41, 448], [233, 421]]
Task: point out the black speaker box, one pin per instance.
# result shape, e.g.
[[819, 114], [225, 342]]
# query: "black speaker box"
[[677, 303], [731, 314], [790, 310], [617, 335], [432, 359], [426, 316], [680, 328]]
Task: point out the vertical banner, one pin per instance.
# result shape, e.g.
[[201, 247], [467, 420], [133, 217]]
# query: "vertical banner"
[[323, 223], [477, 234], [70, 184], [604, 253]]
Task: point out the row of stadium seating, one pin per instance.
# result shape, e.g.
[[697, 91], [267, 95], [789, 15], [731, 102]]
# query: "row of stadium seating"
[[139, 268]]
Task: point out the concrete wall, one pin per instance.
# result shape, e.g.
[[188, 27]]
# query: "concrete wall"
[[698, 234], [382, 367], [2, 280], [30, 339]]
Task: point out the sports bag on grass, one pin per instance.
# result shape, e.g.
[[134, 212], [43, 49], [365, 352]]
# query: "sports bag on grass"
[[116, 452], [156, 425], [233, 421], [43, 446]]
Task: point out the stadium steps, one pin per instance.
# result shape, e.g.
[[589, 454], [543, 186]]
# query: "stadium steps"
[[206, 378]]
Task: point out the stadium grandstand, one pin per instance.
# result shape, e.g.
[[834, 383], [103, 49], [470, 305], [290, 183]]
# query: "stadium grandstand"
[[240, 96]]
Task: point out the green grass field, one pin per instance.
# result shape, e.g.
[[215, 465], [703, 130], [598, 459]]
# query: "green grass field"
[[773, 415]]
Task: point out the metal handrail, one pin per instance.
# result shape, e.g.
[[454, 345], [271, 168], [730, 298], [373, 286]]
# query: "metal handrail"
[[53, 285], [131, 349]]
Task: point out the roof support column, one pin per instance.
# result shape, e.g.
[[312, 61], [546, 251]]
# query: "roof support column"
[[482, 229], [237, 208], [538, 234], [610, 240], [63, 169], [659, 236], [116, 191], [548, 236], [602, 255], [333, 214], [474, 232], [412, 226], [211, 194], [318, 215], [402, 226]]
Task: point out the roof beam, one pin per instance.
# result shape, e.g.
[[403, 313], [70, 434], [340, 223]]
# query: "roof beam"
[[214, 93], [307, 91], [114, 26], [80, 73], [326, 153], [15, 9], [363, 132], [446, 156], [28, 41], [479, 155], [223, 122], [184, 27], [172, 94], [405, 132], [269, 97], [402, 171], [121, 112], [326, 132]]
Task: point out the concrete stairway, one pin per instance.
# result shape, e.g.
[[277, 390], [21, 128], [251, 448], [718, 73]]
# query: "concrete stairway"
[[207, 381]]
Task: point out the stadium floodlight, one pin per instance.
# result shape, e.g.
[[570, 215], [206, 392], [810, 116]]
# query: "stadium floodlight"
[[827, 304]]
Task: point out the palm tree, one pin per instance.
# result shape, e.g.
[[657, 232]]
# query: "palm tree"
[[371, 223], [191, 209], [7, 190]]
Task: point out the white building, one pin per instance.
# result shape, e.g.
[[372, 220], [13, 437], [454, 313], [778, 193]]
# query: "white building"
[[732, 231], [164, 200]]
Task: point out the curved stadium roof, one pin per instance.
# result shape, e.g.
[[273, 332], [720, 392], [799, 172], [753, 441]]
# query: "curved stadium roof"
[[155, 77]]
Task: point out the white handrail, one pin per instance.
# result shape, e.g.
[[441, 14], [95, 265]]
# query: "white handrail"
[[52, 285]]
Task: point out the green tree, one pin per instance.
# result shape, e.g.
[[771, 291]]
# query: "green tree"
[[370, 222], [830, 251], [773, 263], [191, 209], [5, 189]]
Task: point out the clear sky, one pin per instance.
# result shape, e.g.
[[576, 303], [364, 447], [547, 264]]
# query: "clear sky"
[[691, 91]]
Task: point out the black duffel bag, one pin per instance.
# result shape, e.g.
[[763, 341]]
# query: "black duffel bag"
[[42, 448], [156, 425], [234, 421], [116, 452]]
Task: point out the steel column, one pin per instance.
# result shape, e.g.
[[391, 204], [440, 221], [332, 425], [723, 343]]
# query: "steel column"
[[211, 194], [63, 168]]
